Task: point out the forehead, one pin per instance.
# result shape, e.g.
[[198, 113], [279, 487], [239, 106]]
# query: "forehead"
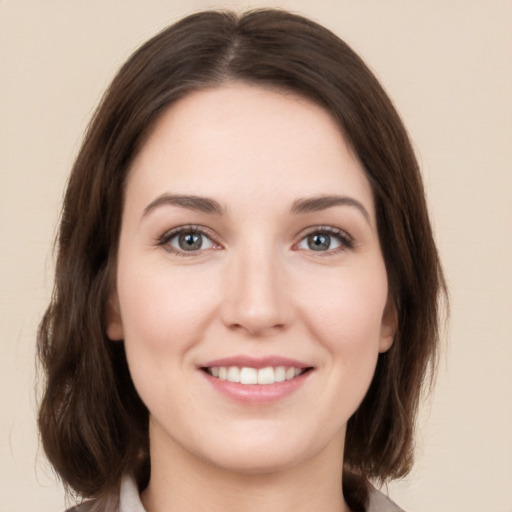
[[249, 140]]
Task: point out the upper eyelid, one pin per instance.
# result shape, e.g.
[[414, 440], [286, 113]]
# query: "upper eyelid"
[[325, 229], [346, 241], [165, 239], [194, 228], [168, 235], [328, 229]]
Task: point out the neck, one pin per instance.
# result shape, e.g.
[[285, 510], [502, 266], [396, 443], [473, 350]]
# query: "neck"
[[181, 482]]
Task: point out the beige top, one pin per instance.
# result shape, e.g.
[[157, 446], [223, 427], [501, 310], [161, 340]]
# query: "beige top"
[[130, 500]]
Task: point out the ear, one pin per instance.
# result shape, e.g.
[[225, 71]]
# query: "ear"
[[388, 327], [114, 329]]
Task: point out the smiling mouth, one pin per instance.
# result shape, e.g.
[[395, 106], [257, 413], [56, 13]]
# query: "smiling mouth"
[[250, 376]]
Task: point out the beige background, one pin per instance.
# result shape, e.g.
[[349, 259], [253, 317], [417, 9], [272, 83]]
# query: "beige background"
[[448, 66]]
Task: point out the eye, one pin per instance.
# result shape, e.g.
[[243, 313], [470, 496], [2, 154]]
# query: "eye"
[[319, 242], [325, 239], [187, 240], [191, 241]]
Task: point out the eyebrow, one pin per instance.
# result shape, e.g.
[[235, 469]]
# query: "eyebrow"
[[300, 206], [197, 203], [319, 203]]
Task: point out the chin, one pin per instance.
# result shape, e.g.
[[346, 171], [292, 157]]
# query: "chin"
[[256, 462], [262, 453]]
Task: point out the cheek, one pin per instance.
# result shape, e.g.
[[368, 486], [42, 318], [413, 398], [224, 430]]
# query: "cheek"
[[345, 315], [162, 309], [164, 314]]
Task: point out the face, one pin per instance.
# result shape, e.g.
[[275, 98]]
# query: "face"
[[251, 289]]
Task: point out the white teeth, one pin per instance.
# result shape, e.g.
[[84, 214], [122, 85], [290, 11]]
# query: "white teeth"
[[233, 374], [246, 375], [290, 373], [280, 374], [266, 376]]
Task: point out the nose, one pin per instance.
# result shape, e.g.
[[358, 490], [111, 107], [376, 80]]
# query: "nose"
[[256, 300]]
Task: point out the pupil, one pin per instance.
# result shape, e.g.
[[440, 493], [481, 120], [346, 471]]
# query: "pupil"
[[190, 241], [319, 242]]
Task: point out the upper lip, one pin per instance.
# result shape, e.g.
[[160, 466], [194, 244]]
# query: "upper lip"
[[255, 362]]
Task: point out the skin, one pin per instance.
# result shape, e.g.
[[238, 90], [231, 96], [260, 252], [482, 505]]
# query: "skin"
[[255, 287]]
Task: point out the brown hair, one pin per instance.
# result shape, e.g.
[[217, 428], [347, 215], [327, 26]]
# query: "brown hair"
[[93, 424]]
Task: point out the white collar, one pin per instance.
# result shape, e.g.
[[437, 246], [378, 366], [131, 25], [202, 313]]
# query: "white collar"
[[129, 499]]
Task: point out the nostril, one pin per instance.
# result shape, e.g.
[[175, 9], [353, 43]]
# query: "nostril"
[[259, 328]]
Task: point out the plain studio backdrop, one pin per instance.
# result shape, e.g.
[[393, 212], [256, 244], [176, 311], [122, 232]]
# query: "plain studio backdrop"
[[447, 64]]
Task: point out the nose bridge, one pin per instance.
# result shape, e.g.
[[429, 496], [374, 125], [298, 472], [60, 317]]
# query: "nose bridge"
[[255, 298]]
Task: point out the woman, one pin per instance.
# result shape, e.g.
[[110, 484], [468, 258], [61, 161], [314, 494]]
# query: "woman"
[[246, 294]]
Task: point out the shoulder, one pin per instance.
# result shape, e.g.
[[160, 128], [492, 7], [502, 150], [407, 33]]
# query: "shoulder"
[[125, 500], [93, 506], [108, 503], [83, 507], [379, 502]]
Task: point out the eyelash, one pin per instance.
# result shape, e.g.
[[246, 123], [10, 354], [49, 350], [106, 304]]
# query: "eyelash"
[[166, 238], [346, 241]]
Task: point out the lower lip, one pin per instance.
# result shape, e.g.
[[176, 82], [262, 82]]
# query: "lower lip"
[[257, 393]]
